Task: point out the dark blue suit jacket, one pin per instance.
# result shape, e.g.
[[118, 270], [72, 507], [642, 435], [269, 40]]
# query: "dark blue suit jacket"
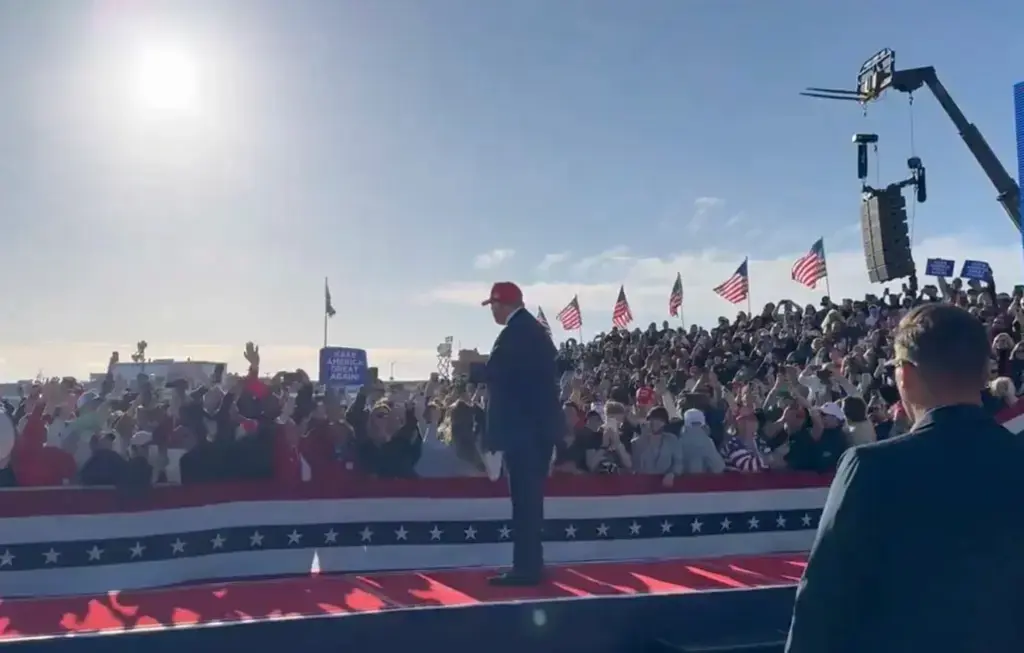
[[921, 544], [523, 408]]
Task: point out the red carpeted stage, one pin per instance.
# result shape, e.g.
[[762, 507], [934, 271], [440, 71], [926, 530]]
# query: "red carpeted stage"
[[296, 598]]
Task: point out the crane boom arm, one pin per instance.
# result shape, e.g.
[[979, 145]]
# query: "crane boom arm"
[[1007, 189]]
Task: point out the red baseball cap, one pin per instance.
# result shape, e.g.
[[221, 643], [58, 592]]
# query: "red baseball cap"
[[644, 396], [504, 292]]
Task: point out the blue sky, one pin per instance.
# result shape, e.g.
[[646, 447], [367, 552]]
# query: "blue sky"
[[415, 151]]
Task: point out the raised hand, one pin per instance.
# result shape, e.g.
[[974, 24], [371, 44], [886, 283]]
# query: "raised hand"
[[252, 354]]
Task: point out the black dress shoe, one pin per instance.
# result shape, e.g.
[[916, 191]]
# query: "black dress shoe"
[[515, 579]]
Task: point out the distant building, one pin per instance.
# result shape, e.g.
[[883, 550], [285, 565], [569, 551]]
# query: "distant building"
[[167, 369], [466, 357]]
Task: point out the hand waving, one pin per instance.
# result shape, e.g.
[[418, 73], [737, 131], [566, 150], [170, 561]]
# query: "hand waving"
[[252, 354]]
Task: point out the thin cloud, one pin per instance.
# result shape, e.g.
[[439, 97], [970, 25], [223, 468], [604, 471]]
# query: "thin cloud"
[[615, 255], [648, 281], [551, 260], [492, 259], [703, 208], [735, 220]]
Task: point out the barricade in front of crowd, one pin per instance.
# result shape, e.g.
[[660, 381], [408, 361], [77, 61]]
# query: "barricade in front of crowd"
[[76, 540]]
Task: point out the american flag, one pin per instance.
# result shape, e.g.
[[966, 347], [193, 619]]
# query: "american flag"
[[675, 298], [328, 306], [621, 315], [810, 268], [736, 288], [543, 320], [570, 316]]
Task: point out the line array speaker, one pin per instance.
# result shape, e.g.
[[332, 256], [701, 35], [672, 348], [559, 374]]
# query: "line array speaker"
[[883, 223]]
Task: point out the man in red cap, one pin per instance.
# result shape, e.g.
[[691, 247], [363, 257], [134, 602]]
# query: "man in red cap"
[[524, 419]]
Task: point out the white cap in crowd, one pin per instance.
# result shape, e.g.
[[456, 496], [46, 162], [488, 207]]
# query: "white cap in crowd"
[[832, 409], [86, 399], [694, 417], [141, 438]]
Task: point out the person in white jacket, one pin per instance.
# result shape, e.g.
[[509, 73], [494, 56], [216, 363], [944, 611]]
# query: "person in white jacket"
[[698, 450]]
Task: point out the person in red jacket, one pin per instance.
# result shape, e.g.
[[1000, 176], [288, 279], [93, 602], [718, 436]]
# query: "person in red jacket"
[[33, 462]]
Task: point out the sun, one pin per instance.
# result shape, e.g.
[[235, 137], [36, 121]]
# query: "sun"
[[166, 81]]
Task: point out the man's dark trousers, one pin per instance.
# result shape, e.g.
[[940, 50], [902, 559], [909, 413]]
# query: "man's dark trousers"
[[527, 474]]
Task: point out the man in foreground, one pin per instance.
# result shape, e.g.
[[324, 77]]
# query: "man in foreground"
[[921, 543], [523, 421]]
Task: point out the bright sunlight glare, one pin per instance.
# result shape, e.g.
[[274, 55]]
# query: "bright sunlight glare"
[[166, 81]]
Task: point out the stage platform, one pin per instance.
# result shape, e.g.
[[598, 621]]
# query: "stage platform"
[[695, 585]]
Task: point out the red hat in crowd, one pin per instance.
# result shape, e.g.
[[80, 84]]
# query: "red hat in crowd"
[[504, 292], [644, 396]]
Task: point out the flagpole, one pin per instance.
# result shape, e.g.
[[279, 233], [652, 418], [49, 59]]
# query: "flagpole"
[[750, 313], [326, 316], [828, 289]]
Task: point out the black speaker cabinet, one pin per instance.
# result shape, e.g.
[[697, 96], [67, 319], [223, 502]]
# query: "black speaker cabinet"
[[883, 223]]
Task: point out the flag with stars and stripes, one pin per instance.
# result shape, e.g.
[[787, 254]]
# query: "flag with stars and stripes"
[[810, 268], [68, 541], [621, 315], [675, 298], [736, 288], [570, 316], [543, 320]]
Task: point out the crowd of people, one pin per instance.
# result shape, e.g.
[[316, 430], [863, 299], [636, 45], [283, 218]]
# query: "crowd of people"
[[788, 389]]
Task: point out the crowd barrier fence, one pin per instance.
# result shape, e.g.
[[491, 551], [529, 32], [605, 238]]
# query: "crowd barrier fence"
[[58, 541]]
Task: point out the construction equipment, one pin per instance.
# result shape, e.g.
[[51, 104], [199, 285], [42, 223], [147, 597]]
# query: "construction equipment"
[[879, 73]]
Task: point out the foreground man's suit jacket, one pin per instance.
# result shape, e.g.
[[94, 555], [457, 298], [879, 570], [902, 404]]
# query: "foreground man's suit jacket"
[[921, 544]]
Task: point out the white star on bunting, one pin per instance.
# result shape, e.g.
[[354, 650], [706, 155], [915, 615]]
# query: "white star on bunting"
[[401, 534], [256, 539], [294, 537], [94, 553], [331, 537], [218, 541], [696, 525]]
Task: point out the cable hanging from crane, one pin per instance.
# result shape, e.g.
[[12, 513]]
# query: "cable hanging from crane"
[[879, 73], [913, 155]]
